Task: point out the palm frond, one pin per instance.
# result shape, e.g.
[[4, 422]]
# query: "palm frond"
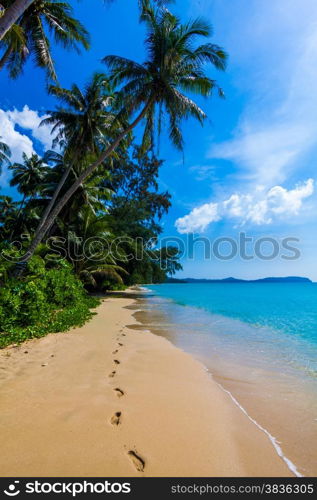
[[41, 21]]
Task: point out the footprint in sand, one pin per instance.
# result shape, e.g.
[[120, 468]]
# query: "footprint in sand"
[[112, 374], [119, 343], [116, 361], [137, 461], [115, 352], [116, 418], [119, 392]]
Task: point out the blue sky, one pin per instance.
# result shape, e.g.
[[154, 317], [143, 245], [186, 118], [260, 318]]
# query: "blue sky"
[[252, 167]]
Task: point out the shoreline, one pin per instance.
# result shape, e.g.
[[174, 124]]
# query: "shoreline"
[[108, 400], [283, 406], [274, 441]]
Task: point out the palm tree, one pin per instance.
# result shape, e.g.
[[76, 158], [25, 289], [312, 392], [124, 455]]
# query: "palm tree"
[[18, 7], [82, 127], [89, 233], [8, 215], [10, 13], [174, 66], [14, 42], [5, 154], [7, 208], [40, 17], [27, 177], [91, 195]]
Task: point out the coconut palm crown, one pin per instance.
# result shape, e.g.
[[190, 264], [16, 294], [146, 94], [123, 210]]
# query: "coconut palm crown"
[[175, 66], [83, 123], [42, 22], [27, 176]]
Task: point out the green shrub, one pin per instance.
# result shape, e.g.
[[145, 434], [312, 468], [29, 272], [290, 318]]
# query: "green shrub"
[[44, 301], [110, 285]]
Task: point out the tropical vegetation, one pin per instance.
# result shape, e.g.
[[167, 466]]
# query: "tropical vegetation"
[[32, 32], [88, 219]]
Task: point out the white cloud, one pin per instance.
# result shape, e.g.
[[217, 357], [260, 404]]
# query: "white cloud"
[[263, 206], [19, 142], [30, 120], [198, 219]]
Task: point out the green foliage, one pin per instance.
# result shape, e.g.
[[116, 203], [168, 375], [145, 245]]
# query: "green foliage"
[[83, 123], [139, 277], [119, 205], [41, 23], [109, 285], [29, 175], [173, 72], [44, 301]]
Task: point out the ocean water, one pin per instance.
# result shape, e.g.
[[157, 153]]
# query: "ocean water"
[[277, 320], [259, 341]]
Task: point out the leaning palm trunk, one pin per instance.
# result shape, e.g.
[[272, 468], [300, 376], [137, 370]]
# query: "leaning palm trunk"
[[42, 230], [54, 197], [12, 14]]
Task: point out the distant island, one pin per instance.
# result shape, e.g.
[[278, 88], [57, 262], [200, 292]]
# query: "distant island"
[[287, 279]]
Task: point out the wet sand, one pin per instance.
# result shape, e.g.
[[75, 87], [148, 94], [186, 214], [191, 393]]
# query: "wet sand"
[[282, 404]]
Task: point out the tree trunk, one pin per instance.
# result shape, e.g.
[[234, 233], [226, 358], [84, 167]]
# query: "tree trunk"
[[5, 57], [18, 217], [53, 199], [40, 233], [12, 14]]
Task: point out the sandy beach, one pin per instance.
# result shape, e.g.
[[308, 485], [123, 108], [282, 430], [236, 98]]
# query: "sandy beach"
[[109, 400]]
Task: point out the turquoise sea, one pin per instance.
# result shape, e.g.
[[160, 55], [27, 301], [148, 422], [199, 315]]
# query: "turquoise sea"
[[259, 341], [280, 318]]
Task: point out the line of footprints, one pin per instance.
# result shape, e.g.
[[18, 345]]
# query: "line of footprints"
[[115, 420]]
